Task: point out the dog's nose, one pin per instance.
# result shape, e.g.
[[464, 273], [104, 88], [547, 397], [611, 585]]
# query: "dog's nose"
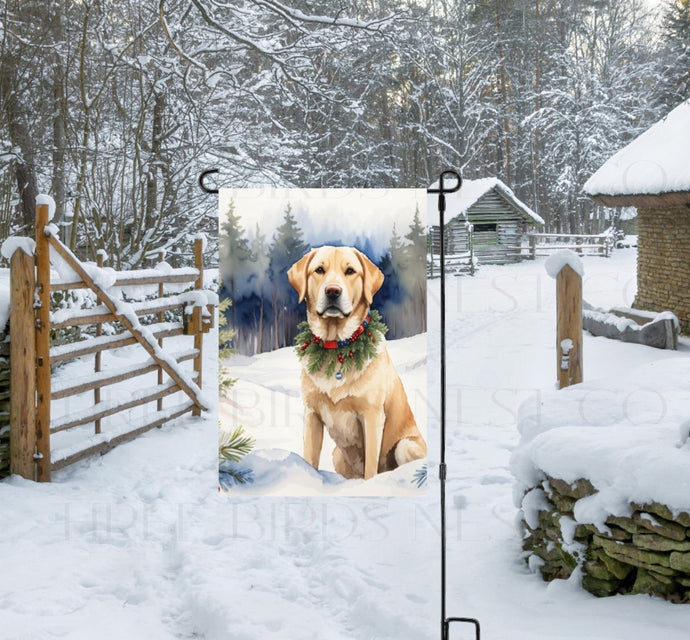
[[333, 292]]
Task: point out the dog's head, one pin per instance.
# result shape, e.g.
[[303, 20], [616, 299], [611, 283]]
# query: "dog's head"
[[338, 284]]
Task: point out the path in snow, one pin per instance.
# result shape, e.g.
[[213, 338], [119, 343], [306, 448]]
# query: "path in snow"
[[138, 544]]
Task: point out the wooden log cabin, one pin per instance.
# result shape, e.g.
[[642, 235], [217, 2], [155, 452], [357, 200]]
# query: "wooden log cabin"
[[488, 215], [652, 174]]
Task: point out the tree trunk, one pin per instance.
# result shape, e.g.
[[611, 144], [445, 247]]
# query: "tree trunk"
[[20, 137]]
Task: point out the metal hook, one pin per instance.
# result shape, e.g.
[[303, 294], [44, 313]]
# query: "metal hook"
[[442, 190], [203, 176]]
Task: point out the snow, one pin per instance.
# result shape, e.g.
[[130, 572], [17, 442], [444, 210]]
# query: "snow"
[[4, 298], [204, 240], [14, 243], [621, 434], [458, 202], [43, 198], [556, 261], [9, 246], [266, 401], [138, 544], [627, 242], [656, 162]]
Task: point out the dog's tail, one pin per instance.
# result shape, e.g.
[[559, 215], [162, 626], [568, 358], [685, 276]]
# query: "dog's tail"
[[405, 450]]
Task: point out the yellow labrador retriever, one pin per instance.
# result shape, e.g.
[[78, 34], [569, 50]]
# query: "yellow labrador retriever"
[[364, 409]]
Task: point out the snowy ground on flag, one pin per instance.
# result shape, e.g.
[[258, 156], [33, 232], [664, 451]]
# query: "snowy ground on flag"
[[267, 402], [138, 543]]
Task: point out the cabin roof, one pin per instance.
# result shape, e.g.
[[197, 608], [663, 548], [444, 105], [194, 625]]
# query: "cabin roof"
[[653, 169], [458, 203]]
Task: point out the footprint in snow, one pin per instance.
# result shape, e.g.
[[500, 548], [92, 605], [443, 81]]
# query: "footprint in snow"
[[494, 479]]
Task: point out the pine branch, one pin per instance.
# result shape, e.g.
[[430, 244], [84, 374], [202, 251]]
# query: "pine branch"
[[233, 446]]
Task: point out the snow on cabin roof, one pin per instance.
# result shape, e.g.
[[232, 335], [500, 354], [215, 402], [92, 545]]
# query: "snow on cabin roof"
[[471, 191], [656, 162]]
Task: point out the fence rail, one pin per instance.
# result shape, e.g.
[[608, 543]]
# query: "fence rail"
[[33, 389], [542, 244]]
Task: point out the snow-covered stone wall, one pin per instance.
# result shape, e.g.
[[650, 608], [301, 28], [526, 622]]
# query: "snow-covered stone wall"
[[602, 480], [663, 264], [645, 552]]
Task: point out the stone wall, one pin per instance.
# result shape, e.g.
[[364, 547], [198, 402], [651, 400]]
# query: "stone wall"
[[663, 262], [4, 408], [646, 552]]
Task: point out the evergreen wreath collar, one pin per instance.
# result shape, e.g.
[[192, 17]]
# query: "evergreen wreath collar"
[[327, 355]]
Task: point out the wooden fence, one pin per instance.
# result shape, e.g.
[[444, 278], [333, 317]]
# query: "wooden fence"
[[542, 244], [34, 390], [456, 263]]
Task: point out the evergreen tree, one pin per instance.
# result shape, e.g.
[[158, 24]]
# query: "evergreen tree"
[[675, 72], [415, 277], [233, 257], [233, 247], [225, 350], [417, 237], [287, 247], [392, 294], [259, 278]]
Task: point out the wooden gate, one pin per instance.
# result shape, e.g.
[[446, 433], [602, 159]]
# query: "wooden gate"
[[34, 390]]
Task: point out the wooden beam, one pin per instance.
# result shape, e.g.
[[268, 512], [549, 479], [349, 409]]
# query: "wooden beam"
[[199, 335], [96, 318], [131, 282], [97, 345], [569, 326], [97, 357], [107, 445], [87, 383], [22, 366], [110, 409], [671, 199], [161, 318], [42, 345], [151, 347]]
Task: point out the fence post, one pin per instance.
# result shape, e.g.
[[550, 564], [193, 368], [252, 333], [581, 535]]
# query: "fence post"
[[97, 358], [42, 346], [161, 318], [197, 318], [532, 247], [569, 326], [22, 366]]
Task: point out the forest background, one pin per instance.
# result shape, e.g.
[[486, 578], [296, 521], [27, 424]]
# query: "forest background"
[[387, 225], [115, 107]]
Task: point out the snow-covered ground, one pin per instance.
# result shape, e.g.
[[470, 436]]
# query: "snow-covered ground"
[[138, 544], [267, 402]]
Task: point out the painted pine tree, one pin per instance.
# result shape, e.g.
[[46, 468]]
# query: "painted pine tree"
[[287, 247]]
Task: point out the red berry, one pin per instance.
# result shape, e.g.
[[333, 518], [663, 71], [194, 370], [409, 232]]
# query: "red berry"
[[352, 355]]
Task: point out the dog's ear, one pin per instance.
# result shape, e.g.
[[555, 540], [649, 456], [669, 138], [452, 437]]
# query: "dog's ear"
[[373, 277], [297, 274]]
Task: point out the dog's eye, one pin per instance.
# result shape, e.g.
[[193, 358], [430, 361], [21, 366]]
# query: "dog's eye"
[[319, 270], [349, 271]]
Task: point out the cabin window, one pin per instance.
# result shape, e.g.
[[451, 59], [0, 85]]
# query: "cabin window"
[[478, 228]]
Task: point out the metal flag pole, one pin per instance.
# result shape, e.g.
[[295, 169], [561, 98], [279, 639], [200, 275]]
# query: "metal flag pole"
[[455, 184]]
